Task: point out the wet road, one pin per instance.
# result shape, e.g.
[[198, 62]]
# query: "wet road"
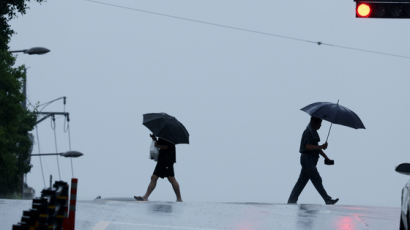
[[115, 214]]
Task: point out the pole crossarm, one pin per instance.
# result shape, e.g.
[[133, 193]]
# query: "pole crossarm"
[[51, 114]]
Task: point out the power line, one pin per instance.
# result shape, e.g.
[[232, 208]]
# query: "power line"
[[276, 35]]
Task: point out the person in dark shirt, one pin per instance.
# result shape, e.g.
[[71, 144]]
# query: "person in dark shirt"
[[310, 151], [164, 168]]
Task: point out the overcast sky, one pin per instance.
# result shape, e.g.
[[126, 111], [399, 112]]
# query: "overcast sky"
[[239, 94]]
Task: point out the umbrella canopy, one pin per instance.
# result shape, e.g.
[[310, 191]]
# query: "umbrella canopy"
[[167, 127], [334, 113]]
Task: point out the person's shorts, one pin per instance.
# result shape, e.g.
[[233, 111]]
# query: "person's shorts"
[[162, 170]]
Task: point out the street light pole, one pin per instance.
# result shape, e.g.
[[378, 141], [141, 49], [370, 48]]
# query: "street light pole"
[[31, 51]]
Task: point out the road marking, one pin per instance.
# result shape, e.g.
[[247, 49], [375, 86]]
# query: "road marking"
[[104, 224]]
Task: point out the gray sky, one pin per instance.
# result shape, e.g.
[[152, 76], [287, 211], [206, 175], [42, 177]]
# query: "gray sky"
[[238, 93]]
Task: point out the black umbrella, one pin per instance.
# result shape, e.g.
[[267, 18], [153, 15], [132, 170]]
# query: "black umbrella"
[[334, 113], [167, 127]]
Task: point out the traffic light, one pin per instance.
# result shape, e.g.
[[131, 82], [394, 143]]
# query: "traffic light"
[[383, 9], [363, 10]]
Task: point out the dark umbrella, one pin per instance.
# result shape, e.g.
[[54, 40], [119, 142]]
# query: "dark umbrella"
[[167, 127], [334, 113]]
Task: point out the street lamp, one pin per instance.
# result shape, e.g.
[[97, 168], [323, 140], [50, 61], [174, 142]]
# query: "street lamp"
[[72, 154], [31, 51]]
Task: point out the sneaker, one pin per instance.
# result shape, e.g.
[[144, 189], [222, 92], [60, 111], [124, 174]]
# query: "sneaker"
[[332, 201]]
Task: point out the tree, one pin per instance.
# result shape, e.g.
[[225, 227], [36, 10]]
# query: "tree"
[[9, 9], [15, 121]]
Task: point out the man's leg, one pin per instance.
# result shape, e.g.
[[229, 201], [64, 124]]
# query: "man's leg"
[[299, 186], [151, 186], [175, 186], [317, 182]]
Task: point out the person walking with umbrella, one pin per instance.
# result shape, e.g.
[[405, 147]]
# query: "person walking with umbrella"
[[310, 151], [310, 148], [170, 132], [164, 168]]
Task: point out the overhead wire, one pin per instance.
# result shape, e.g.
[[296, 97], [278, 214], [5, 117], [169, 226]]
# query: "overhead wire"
[[243, 29], [41, 160], [53, 126]]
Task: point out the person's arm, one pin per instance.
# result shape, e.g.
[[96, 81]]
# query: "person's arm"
[[323, 154], [311, 147], [318, 148], [161, 146], [328, 161], [156, 142]]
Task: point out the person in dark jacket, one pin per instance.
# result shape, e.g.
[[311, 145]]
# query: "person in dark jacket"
[[310, 151], [164, 168]]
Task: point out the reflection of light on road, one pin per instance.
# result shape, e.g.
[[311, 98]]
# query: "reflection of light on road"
[[251, 219], [103, 225], [345, 223]]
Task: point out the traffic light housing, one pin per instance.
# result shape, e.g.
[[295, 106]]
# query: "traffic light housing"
[[383, 9]]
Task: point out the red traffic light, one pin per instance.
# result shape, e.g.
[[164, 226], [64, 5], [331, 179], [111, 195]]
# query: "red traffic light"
[[363, 10], [382, 8]]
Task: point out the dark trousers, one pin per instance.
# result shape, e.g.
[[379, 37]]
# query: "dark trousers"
[[308, 172]]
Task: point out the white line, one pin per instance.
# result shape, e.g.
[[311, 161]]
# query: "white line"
[[155, 226], [102, 225]]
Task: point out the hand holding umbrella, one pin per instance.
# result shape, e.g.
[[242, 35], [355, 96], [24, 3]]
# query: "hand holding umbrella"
[[153, 137]]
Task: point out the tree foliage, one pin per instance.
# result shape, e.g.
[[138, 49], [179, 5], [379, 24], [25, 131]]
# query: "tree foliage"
[[9, 9], [15, 120]]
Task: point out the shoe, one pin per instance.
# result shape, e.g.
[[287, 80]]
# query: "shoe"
[[332, 201], [138, 198]]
